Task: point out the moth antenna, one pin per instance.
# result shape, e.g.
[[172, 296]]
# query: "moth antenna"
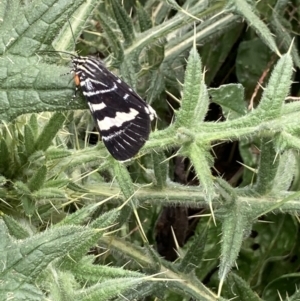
[[72, 33], [57, 51]]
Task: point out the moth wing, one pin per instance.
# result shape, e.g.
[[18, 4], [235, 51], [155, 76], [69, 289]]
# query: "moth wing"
[[122, 117]]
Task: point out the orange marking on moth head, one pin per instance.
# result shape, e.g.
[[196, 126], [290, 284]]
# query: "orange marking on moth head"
[[76, 79]]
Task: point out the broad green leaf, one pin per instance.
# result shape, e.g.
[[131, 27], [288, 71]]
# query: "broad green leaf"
[[231, 98], [80, 12], [34, 25], [28, 85], [253, 59]]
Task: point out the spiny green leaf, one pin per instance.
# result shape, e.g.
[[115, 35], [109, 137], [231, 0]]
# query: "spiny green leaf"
[[60, 285], [124, 180], [143, 17], [28, 204], [157, 85], [79, 217], [105, 220], [194, 102], [193, 257], [241, 288], [108, 289], [160, 166], [81, 248], [15, 229], [233, 230], [277, 89], [156, 55], [268, 166], [29, 139], [53, 153], [29, 257], [34, 126], [95, 273], [38, 179], [128, 70], [5, 158], [286, 171], [57, 183], [114, 41], [245, 10], [201, 160], [50, 193], [282, 34], [124, 21], [226, 191]]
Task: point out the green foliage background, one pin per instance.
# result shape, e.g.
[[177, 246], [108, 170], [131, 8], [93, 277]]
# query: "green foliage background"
[[62, 200]]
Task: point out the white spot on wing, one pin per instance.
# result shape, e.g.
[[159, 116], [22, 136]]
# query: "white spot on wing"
[[121, 117], [115, 134], [91, 93], [91, 80], [96, 106], [126, 96], [152, 113]]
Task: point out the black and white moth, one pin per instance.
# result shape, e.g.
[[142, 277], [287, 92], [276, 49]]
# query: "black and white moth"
[[122, 117]]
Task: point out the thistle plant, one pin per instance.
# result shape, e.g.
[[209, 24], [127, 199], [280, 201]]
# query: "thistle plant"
[[77, 224]]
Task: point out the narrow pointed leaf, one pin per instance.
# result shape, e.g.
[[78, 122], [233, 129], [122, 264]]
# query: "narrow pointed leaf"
[[193, 257], [201, 160], [277, 89], [15, 229], [241, 289], [113, 39], [234, 226], [195, 99], [160, 166], [49, 131], [108, 289], [38, 179], [268, 166], [244, 9], [124, 21], [143, 18], [29, 139], [124, 180]]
